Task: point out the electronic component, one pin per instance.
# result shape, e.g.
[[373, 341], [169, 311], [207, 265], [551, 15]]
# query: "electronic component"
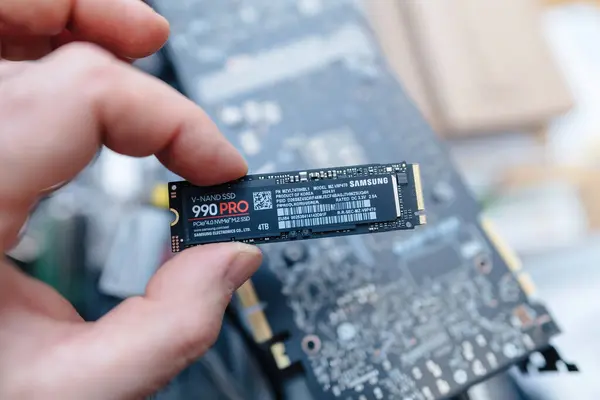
[[298, 205], [422, 314]]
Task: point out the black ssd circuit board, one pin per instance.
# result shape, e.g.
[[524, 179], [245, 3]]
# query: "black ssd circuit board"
[[420, 314], [298, 205]]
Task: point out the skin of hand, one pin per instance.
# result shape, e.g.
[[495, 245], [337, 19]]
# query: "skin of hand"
[[56, 111]]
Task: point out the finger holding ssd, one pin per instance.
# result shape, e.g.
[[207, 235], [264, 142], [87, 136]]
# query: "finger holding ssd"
[[298, 205]]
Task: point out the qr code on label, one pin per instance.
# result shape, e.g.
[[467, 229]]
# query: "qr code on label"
[[262, 201]]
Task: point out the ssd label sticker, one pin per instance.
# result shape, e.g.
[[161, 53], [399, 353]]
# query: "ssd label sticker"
[[270, 209]]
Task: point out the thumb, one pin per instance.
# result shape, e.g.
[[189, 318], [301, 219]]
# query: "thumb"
[[143, 343]]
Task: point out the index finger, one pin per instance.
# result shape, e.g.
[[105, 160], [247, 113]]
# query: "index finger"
[[56, 113], [129, 28]]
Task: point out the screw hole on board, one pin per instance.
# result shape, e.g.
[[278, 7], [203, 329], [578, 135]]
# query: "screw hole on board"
[[311, 344]]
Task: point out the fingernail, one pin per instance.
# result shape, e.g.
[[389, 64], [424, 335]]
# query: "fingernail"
[[244, 264]]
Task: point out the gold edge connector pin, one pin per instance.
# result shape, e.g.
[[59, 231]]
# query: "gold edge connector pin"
[[509, 256], [506, 252], [261, 330], [247, 295], [396, 196], [280, 356], [418, 187], [526, 283]]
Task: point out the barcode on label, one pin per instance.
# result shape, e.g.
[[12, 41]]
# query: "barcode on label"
[[336, 219], [347, 205]]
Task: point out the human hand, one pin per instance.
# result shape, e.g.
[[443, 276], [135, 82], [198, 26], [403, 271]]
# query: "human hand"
[[30, 29], [55, 113]]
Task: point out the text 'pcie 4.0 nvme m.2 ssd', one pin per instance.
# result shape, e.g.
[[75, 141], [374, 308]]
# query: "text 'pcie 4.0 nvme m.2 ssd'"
[[298, 205]]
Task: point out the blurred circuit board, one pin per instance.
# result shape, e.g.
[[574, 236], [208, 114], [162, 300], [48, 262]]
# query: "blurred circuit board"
[[420, 315]]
